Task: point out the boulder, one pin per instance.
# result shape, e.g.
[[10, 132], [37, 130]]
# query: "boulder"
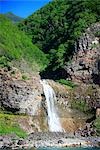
[[98, 112]]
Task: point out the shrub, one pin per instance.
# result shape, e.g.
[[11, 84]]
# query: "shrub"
[[24, 77], [97, 34], [67, 82], [80, 105]]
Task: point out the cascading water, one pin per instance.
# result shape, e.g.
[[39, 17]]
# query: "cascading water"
[[53, 119]]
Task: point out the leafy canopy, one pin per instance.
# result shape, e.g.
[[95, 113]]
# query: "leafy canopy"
[[61, 22]]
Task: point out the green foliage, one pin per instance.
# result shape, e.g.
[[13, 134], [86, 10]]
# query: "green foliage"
[[16, 46], [97, 125], [24, 77], [97, 34], [8, 125], [80, 105], [3, 61], [55, 29], [57, 57], [67, 82]]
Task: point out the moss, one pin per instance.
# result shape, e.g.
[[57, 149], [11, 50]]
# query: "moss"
[[9, 125]]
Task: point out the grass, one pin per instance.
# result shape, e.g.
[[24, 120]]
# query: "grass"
[[9, 125], [67, 82], [15, 46]]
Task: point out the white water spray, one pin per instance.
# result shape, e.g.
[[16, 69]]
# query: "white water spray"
[[53, 119]]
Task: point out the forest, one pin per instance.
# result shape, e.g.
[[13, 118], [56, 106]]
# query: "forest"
[[55, 28]]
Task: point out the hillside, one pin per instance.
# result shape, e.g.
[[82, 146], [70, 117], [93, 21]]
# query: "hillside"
[[13, 17], [16, 48], [55, 29], [50, 77]]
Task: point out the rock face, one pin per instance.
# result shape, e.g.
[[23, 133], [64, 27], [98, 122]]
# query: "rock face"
[[70, 119], [26, 97], [18, 95], [85, 64]]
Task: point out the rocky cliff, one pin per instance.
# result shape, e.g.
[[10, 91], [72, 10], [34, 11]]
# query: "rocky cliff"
[[20, 96], [26, 97], [85, 64], [23, 94]]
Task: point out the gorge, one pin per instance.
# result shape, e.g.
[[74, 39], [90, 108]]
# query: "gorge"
[[50, 76]]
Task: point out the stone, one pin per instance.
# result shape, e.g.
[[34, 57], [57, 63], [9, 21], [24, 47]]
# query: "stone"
[[60, 142], [20, 96], [98, 112], [21, 142], [85, 64]]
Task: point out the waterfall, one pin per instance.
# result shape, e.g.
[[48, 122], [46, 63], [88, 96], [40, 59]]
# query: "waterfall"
[[53, 119]]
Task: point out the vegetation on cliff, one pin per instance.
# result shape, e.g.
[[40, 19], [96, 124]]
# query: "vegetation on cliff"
[[67, 83], [16, 47], [56, 27], [9, 125], [97, 125]]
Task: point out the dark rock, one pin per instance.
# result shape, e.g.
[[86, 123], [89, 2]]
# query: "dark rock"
[[60, 142], [21, 142], [85, 64]]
